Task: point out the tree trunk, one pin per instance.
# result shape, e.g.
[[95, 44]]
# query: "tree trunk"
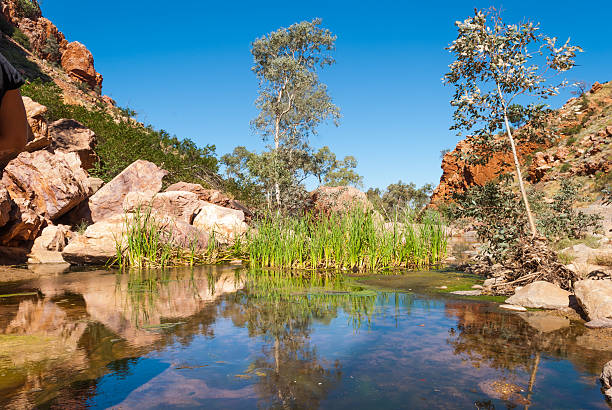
[[517, 166], [276, 146]]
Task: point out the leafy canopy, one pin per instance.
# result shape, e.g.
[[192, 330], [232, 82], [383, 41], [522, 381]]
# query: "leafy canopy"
[[498, 67]]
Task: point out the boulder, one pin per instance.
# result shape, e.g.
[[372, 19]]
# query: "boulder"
[[541, 163], [71, 136], [140, 176], [595, 298], [327, 200], [540, 294], [38, 137], [211, 195], [226, 223], [179, 204], [48, 246], [98, 244], [78, 62], [606, 380], [5, 206], [43, 186]]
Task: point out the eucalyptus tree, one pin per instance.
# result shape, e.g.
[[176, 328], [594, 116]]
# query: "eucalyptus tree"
[[292, 101], [498, 66], [331, 172]]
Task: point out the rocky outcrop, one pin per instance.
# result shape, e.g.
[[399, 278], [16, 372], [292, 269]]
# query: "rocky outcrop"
[[458, 175], [43, 186], [595, 298], [38, 135], [606, 380], [78, 62], [540, 295], [211, 195], [178, 204], [48, 246], [327, 200], [141, 176], [72, 136], [226, 223]]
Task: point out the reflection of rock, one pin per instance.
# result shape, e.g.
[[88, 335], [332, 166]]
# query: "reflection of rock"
[[121, 307], [540, 294], [606, 380], [595, 298], [503, 390], [545, 322]]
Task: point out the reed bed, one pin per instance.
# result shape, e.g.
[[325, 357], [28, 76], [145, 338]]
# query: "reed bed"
[[354, 241]]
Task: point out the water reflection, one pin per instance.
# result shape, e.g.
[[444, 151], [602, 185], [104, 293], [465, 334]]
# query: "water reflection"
[[220, 337]]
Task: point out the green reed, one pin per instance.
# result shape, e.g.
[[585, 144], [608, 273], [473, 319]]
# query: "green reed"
[[355, 241]]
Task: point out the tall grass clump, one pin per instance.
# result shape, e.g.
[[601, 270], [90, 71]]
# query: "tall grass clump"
[[354, 241], [145, 242]]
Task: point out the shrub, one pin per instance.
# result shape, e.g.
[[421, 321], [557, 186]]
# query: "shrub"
[[572, 129], [122, 141], [21, 39], [27, 8], [570, 141], [565, 167], [52, 50]]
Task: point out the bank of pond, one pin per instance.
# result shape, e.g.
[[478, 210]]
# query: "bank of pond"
[[235, 337]]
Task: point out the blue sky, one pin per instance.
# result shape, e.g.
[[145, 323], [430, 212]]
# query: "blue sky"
[[185, 67]]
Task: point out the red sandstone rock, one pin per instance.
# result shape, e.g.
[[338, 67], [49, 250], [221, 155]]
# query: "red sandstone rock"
[[211, 195], [78, 62]]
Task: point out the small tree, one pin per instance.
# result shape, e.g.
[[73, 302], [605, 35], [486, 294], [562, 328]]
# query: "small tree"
[[292, 101], [493, 70]]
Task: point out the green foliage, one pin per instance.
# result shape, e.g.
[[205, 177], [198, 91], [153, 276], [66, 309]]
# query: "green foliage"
[[27, 8], [499, 220], [122, 141], [292, 101], [399, 198], [353, 241], [21, 39], [332, 172], [559, 220], [51, 50], [565, 167], [571, 141], [572, 130]]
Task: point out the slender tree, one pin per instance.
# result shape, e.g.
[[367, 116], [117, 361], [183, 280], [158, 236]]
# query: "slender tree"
[[292, 101], [498, 66]]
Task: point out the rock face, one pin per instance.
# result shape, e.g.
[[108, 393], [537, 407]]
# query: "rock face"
[[71, 136], [141, 176], [39, 133], [595, 298], [43, 186], [458, 176], [211, 195], [49, 245], [606, 380], [179, 204], [226, 223], [78, 62], [542, 295], [327, 200]]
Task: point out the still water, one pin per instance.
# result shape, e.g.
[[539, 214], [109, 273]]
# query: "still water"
[[223, 337]]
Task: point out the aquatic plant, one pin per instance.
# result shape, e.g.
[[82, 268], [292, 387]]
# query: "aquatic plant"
[[354, 241]]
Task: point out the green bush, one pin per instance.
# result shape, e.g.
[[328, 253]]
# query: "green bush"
[[565, 167], [122, 141], [570, 141], [21, 39], [27, 8]]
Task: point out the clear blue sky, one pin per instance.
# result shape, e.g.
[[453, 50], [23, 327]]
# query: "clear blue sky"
[[185, 67]]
